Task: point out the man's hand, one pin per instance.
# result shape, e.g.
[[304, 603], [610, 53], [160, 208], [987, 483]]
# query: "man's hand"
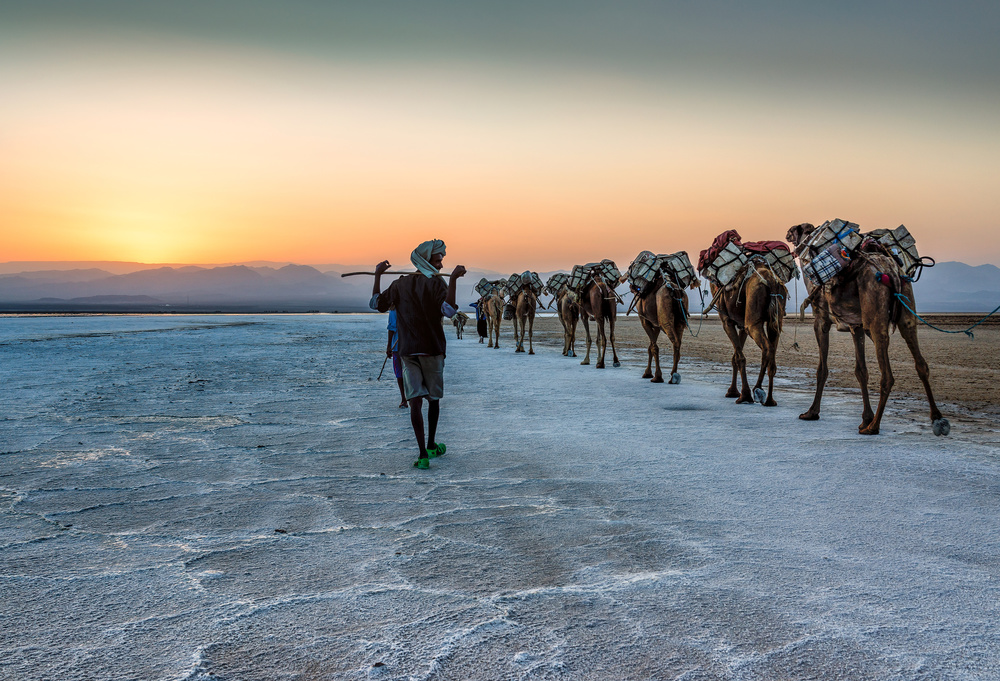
[[382, 267], [388, 351], [459, 271]]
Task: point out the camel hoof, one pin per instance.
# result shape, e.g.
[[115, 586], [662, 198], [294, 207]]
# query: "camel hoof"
[[809, 416], [648, 374], [658, 379], [585, 362], [732, 393], [759, 395], [675, 378], [771, 403], [868, 430], [531, 352], [616, 364], [744, 399], [941, 427], [599, 365]]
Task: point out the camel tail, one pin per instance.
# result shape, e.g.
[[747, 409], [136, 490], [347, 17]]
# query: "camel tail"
[[680, 312]]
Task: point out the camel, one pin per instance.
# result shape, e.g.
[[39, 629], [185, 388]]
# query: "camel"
[[493, 307], [664, 306], [598, 300], [859, 301], [525, 303], [568, 307], [753, 305], [459, 321]]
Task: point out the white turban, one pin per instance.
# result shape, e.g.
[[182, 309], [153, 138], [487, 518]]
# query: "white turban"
[[422, 255]]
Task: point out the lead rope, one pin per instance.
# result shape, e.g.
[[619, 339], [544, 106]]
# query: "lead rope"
[[968, 332]]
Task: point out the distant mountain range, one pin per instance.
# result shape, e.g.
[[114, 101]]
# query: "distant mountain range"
[[259, 287]]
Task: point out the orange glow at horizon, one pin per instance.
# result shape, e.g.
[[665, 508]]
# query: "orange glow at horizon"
[[357, 165]]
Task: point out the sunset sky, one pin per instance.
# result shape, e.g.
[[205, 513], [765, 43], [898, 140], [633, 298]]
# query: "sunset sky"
[[525, 134]]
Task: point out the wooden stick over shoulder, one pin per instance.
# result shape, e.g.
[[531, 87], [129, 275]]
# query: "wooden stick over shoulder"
[[372, 274]]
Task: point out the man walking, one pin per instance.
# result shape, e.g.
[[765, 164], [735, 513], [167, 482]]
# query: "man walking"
[[420, 300]]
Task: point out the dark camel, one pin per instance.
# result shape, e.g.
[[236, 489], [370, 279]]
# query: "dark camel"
[[753, 305], [663, 307], [857, 301], [524, 314], [600, 302]]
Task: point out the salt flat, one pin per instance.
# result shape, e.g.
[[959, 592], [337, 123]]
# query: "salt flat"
[[232, 497]]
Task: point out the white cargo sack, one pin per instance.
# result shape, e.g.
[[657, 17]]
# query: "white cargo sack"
[[726, 265], [643, 270], [782, 263], [677, 268], [901, 245]]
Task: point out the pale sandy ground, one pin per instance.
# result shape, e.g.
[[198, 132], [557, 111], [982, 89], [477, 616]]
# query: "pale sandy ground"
[[965, 372], [232, 498]]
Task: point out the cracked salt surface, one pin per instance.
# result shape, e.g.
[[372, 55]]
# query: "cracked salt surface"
[[232, 497]]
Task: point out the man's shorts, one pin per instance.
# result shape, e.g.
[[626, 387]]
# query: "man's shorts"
[[397, 365], [423, 376]]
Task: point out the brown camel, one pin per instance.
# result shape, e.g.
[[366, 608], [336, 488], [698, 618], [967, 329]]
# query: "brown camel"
[[568, 306], [525, 302], [860, 301], [493, 306], [664, 306], [599, 301], [753, 304]]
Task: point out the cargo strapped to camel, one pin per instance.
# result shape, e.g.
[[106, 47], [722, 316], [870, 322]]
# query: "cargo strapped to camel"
[[778, 257], [532, 281], [902, 247], [486, 288], [580, 275], [675, 267], [723, 268], [556, 282], [829, 250]]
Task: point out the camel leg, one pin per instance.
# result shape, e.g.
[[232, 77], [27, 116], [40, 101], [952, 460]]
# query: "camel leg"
[[746, 397], [821, 327], [861, 373], [732, 333], [675, 341], [518, 334], [566, 344], [572, 338], [602, 342], [908, 330], [614, 352], [880, 337], [531, 331], [767, 352], [652, 350], [586, 327]]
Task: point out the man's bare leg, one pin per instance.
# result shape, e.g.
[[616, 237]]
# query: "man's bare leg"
[[417, 421], [433, 409]]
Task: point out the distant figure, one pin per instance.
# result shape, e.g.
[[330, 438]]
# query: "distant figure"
[[481, 327], [420, 299], [459, 321], [392, 350]]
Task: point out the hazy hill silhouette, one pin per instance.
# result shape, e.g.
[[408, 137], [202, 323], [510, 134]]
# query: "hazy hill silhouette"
[[947, 287]]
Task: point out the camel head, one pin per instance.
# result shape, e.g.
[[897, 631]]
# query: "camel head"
[[799, 233]]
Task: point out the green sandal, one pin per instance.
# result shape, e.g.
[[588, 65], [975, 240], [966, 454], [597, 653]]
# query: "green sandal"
[[438, 450], [423, 463]]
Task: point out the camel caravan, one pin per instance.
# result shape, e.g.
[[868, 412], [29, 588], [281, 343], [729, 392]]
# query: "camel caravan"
[[862, 282]]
